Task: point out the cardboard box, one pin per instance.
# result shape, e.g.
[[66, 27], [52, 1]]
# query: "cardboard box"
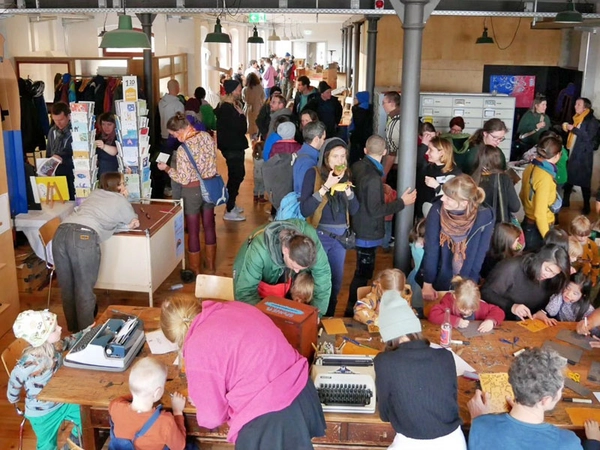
[[31, 273], [297, 321]]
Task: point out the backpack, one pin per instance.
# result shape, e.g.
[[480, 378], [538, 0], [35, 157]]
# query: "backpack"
[[278, 176], [289, 207], [127, 444]]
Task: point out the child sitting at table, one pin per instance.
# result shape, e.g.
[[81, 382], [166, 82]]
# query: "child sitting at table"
[[129, 414], [366, 309], [36, 366], [589, 263], [417, 388], [573, 303], [303, 288], [465, 304]]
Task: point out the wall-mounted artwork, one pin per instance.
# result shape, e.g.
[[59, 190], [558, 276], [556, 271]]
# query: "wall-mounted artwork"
[[522, 87]]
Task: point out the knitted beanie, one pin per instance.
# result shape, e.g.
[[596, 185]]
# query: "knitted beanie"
[[396, 318], [323, 87], [230, 86], [34, 326], [287, 130]]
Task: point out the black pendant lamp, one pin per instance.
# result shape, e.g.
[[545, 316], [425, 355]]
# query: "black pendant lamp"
[[217, 37], [255, 38], [570, 15], [484, 38]]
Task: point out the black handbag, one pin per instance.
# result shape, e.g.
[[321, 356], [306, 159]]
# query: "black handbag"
[[348, 239]]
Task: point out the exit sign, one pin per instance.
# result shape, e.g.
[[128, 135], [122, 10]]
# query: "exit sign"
[[257, 18]]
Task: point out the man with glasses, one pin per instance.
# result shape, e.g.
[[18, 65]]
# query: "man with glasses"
[[391, 106]]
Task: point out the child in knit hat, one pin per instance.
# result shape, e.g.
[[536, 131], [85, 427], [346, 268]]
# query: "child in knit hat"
[[34, 370], [416, 384]]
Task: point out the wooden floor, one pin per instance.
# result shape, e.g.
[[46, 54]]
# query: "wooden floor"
[[230, 235]]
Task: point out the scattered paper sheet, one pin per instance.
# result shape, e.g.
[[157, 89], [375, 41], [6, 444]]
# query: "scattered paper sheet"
[[594, 373], [572, 354], [461, 365], [577, 387], [533, 325], [159, 344], [572, 337], [499, 388], [578, 416], [334, 326]]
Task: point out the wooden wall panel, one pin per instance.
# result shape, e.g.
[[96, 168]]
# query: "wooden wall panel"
[[451, 60]]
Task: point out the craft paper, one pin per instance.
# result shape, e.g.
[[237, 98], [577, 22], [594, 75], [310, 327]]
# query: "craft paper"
[[572, 354], [572, 337], [159, 344], [533, 325], [471, 330], [334, 326], [497, 385], [594, 373], [352, 349], [578, 416], [577, 387]]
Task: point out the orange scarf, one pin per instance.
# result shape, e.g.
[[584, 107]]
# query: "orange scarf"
[[577, 121]]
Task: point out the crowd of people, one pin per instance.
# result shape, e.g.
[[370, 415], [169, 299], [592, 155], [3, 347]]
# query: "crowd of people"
[[338, 195]]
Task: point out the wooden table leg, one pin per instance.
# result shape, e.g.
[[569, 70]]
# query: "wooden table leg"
[[90, 436]]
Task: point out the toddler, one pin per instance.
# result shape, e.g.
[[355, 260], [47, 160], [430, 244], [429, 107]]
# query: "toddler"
[[589, 263], [38, 363], [573, 303], [129, 414], [303, 288], [465, 304], [259, 183], [416, 239], [366, 309]]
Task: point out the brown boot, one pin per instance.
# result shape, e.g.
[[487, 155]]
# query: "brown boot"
[[211, 255], [194, 260]]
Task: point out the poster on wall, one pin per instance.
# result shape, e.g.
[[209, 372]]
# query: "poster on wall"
[[522, 87]]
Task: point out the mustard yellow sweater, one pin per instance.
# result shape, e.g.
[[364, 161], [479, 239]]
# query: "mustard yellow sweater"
[[538, 207]]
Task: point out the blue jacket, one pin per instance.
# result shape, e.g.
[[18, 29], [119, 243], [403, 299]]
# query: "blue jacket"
[[302, 165], [273, 137], [437, 262]]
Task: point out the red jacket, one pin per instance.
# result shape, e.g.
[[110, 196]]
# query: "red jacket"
[[486, 311], [284, 146]]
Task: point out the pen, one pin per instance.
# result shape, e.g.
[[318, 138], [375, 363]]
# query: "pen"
[[577, 400], [456, 342]]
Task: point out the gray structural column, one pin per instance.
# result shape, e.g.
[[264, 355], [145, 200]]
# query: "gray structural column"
[[146, 20], [356, 58], [413, 25], [349, 56], [343, 55], [371, 54]]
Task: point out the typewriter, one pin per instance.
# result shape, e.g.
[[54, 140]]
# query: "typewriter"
[[345, 383], [110, 346]]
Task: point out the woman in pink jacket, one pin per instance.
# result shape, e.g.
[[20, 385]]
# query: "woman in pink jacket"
[[246, 375]]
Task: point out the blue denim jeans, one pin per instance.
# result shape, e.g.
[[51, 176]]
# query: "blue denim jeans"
[[76, 251], [336, 255]]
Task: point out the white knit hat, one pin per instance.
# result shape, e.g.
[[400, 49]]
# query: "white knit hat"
[[396, 318], [34, 326], [287, 130]]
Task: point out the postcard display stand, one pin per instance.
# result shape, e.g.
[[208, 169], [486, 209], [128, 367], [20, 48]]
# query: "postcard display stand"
[[83, 131], [134, 147]]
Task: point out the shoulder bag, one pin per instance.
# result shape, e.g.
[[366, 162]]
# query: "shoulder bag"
[[213, 189]]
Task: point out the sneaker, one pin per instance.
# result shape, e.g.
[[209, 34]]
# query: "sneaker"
[[233, 216], [238, 209]]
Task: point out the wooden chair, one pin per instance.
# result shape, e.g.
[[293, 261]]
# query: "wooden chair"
[[10, 356], [46, 234], [214, 287]]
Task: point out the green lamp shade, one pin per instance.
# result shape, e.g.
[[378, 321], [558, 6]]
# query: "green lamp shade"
[[484, 39], [125, 36], [218, 37], [571, 15], [255, 38]]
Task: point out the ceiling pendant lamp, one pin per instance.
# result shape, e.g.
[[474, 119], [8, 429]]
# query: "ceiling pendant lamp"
[[484, 38], [274, 36], [217, 37], [570, 15], [125, 36], [255, 38]]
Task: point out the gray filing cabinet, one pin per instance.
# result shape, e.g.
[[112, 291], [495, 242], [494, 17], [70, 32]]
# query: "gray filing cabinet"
[[439, 108]]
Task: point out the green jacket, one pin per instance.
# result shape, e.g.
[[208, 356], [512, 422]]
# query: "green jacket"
[[469, 158], [561, 167], [208, 117], [261, 259], [528, 123]]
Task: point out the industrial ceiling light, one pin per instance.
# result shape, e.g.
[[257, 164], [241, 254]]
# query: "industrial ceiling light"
[[274, 36], [570, 15], [285, 36], [484, 38], [125, 36], [255, 38], [217, 37]]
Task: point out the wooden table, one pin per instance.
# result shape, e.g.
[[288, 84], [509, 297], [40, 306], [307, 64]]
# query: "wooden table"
[[94, 390]]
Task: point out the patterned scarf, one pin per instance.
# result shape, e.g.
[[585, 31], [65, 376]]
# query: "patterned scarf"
[[456, 226], [577, 120]]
